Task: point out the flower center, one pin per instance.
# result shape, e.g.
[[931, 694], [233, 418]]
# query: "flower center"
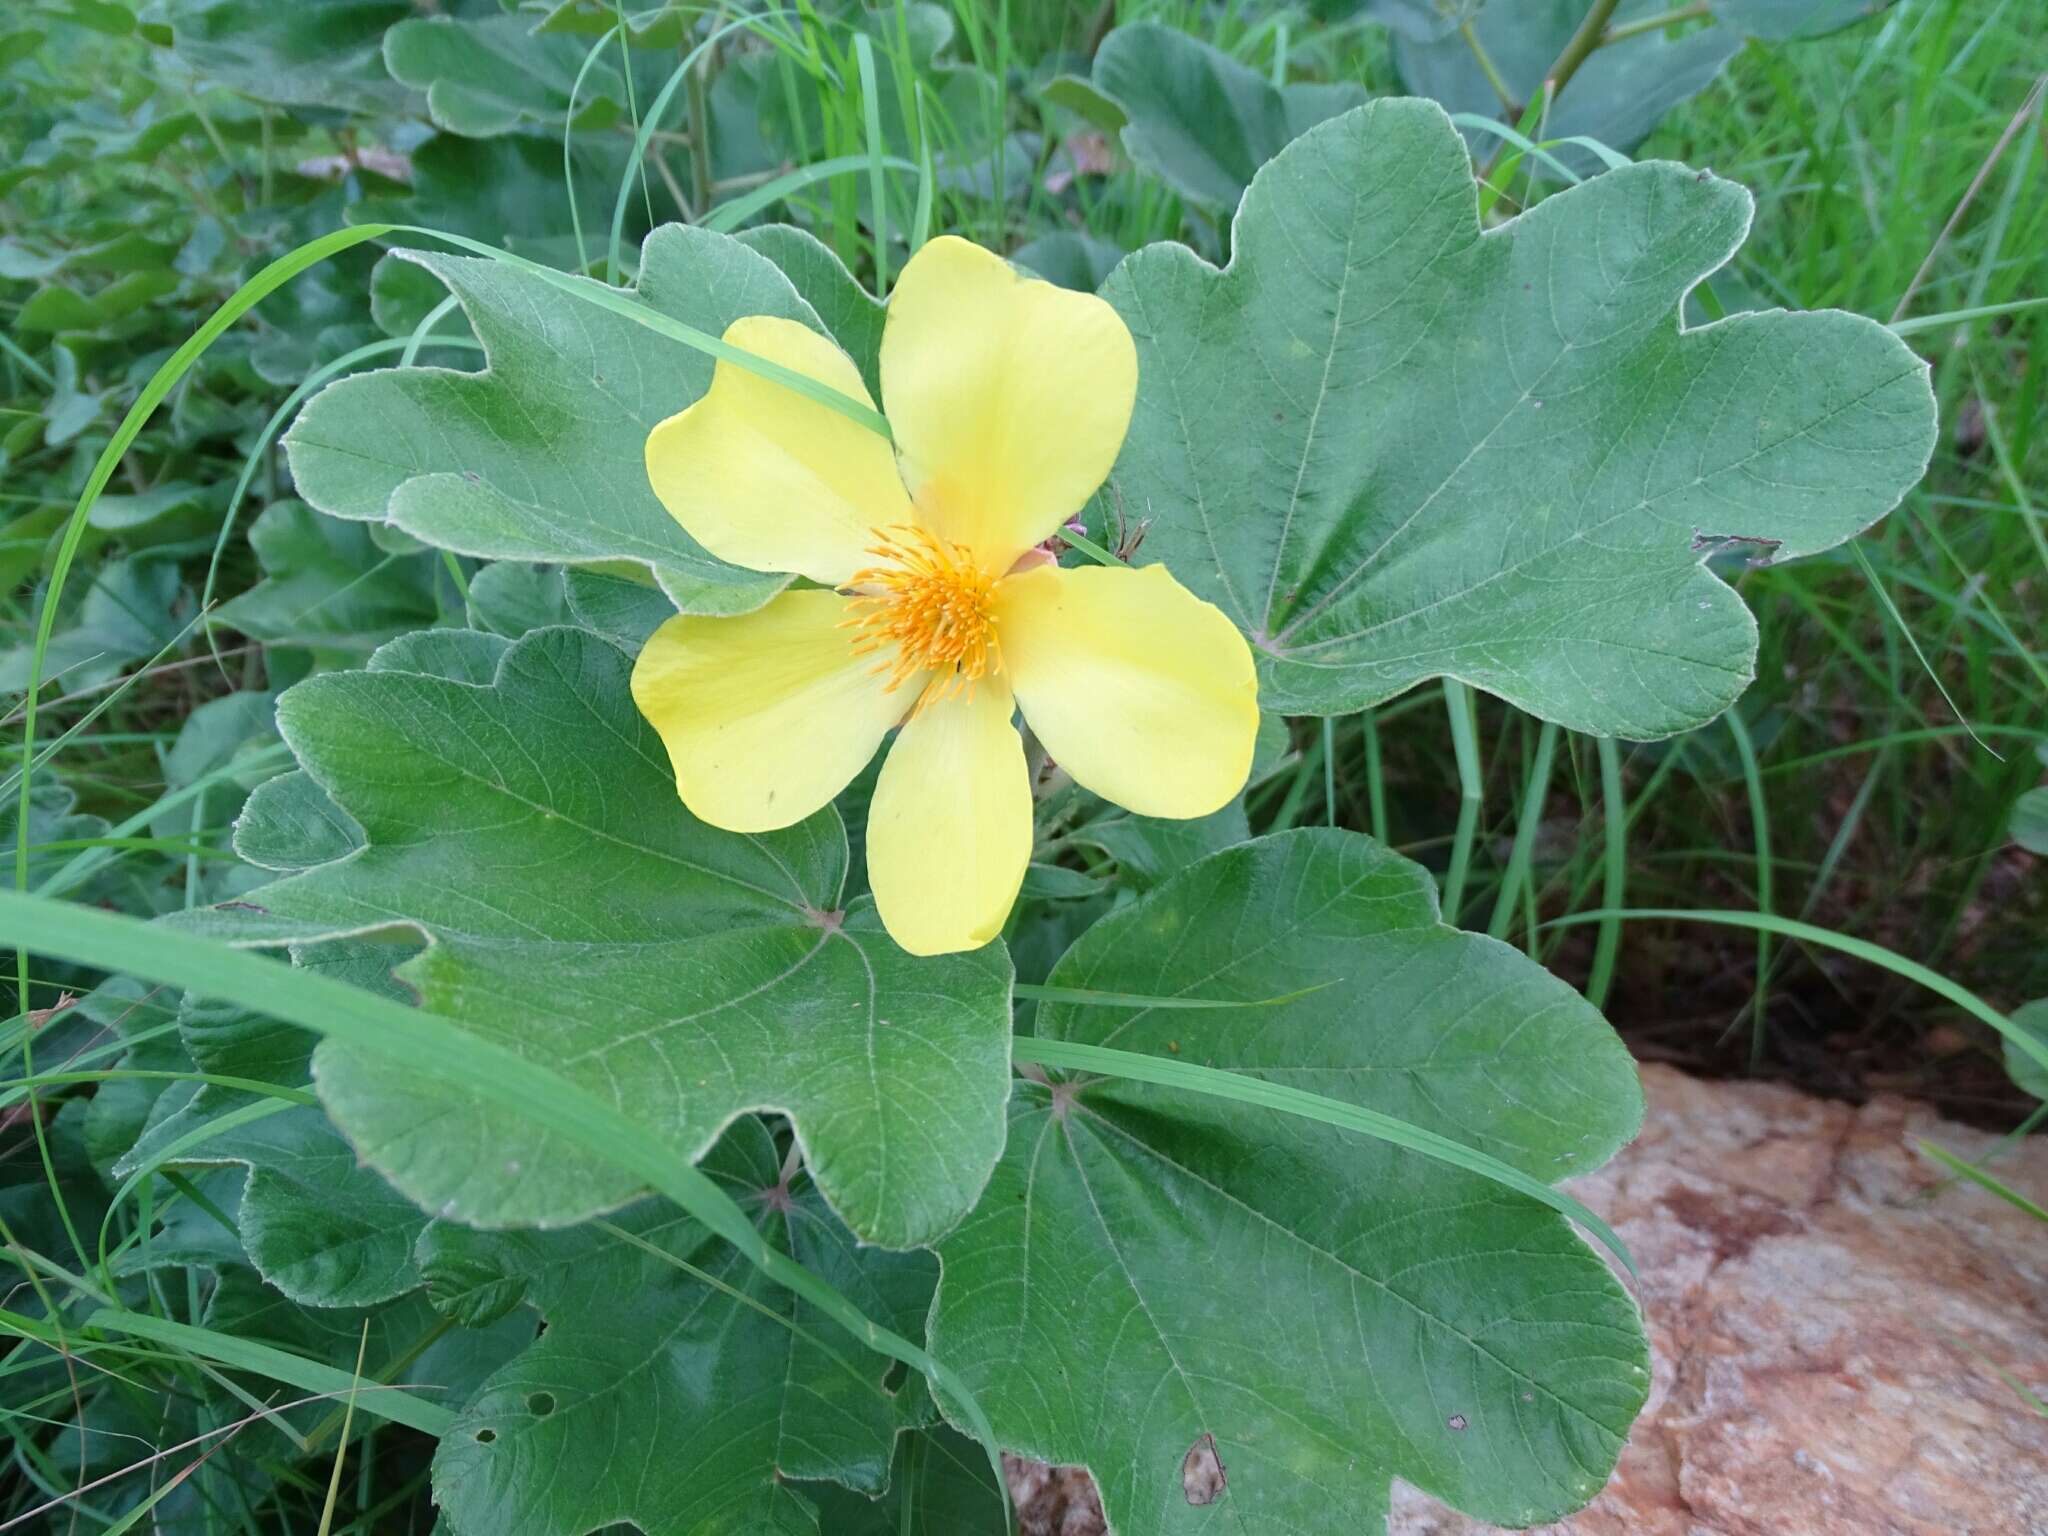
[[930, 601]]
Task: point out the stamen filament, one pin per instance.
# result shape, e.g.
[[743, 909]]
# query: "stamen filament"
[[930, 602]]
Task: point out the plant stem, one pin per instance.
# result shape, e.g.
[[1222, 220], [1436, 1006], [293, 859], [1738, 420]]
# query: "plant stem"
[[1490, 69], [1376, 788], [1100, 27], [1760, 829], [1529, 819], [695, 90], [1591, 34], [2012, 128], [1698, 10], [1329, 770], [1614, 891], [1465, 747]]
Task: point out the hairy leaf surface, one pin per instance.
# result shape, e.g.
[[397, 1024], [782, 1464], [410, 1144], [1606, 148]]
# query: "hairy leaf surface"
[[1159, 1282], [1198, 119], [542, 456], [489, 75], [507, 802], [315, 1223], [659, 1398], [1393, 448]]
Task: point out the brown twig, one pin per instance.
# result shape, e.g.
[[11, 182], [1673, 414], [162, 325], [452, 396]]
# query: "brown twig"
[[1983, 175]]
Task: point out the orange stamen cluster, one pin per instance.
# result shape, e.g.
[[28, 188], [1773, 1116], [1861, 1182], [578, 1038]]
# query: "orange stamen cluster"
[[927, 604]]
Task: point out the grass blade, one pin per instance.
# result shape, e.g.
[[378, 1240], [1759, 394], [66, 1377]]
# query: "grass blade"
[[238, 1354], [439, 1049], [1826, 938], [730, 215], [1471, 789], [1073, 1056], [1760, 829], [1977, 1176], [1614, 874], [878, 186]]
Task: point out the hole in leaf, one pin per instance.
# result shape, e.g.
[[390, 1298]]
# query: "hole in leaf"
[[541, 1404], [486, 1436], [1201, 1472], [894, 1377]]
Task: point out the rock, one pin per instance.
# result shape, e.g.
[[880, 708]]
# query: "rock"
[[1829, 1317]]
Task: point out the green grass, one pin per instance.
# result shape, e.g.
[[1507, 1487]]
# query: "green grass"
[[1862, 149]]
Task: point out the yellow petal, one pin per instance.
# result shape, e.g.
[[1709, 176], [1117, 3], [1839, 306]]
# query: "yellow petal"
[[767, 716], [949, 832], [1008, 397], [763, 477], [1139, 689]]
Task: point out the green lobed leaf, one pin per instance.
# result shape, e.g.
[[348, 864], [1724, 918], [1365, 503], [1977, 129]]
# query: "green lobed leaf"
[[121, 1108], [70, 410], [165, 514], [1155, 1278], [2028, 1075], [1148, 849], [1070, 258], [406, 1344], [517, 812], [1392, 447], [128, 611], [655, 1396], [511, 597], [940, 1486], [852, 315], [541, 457], [506, 191], [625, 609], [316, 1224], [1779, 19], [1423, 20], [310, 53], [53, 817], [435, 1048], [2030, 820], [325, 583], [60, 307], [489, 75], [1199, 120], [1072, 93]]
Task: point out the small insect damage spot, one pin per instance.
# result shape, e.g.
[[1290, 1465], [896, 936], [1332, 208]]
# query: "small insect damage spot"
[[486, 1436], [1457, 1421], [541, 1404], [1202, 1477]]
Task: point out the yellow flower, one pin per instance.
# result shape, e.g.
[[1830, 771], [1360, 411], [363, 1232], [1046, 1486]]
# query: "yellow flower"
[[1008, 399]]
